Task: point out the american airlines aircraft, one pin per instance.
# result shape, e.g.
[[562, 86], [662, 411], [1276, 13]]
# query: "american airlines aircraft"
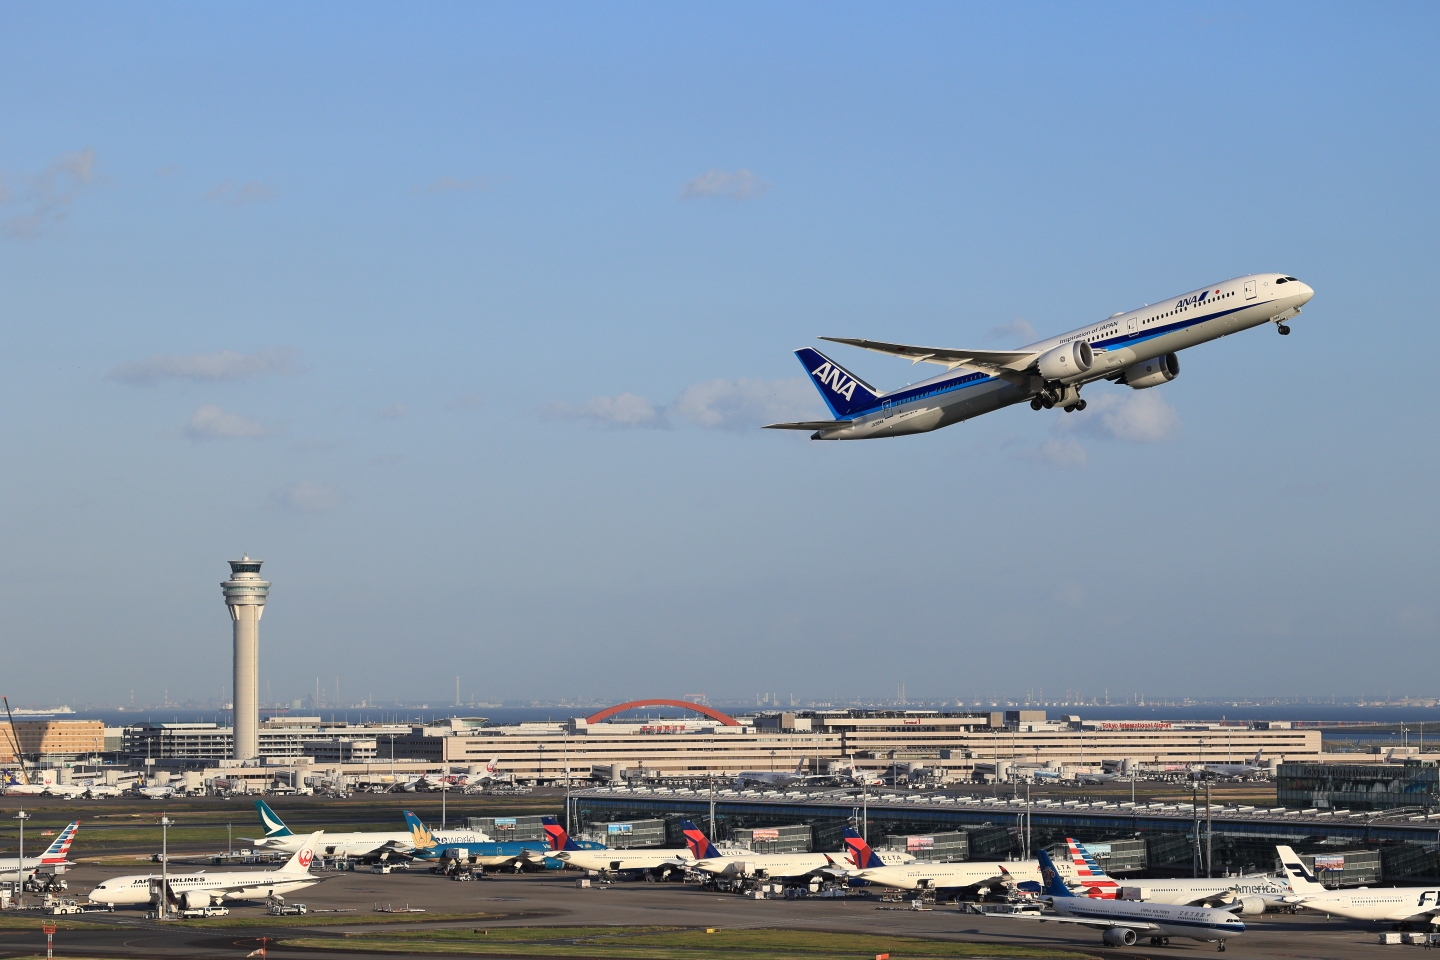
[[1137, 348]]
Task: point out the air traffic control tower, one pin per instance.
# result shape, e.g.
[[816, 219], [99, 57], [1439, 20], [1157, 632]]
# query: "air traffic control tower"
[[245, 595]]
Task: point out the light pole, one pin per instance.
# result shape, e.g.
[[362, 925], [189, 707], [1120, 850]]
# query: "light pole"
[[165, 823], [444, 789], [22, 816]]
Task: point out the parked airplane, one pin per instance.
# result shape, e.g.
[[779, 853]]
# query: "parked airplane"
[[1137, 348], [52, 860], [356, 846], [947, 878], [1253, 892], [771, 778], [573, 854], [195, 890], [431, 845], [1120, 922], [860, 854], [156, 793], [29, 786], [710, 860], [1247, 771], [1385, 904]]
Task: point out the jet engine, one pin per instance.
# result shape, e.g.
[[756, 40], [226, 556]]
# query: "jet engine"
[[1251, 906], [1119, 937], [1152, 373], [195, 899], [1067, 361]]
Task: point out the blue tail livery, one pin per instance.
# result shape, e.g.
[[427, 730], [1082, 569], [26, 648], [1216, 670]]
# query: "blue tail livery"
[[845, 394], [700, 846], [274, 826], [1050, 877]]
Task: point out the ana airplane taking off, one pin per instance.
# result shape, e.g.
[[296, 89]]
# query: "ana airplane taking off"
[[1385, 904], [356, 846], [1120, 922], [1137, 348], [196, 890]]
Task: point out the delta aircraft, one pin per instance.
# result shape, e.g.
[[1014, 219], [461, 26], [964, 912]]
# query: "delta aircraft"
[[1137, 348], [1121, 922], [356, 846], [569, 852], [783, 865], [196, 890], [52, 860], [1404, 905]]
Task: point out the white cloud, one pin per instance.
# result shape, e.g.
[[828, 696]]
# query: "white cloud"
[[393, 412], [746, 404], [220, 365], [449, 184], [246, 193], [1139, 416], [212, 423], [740, 185], [1058, 452], [624, 410], [307, 497], [1018, 329], [41, 200]]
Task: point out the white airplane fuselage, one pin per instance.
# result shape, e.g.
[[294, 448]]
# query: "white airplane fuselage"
[[622, 860], [249, 885], [341, 844], [1118, 343], [1155, 919]]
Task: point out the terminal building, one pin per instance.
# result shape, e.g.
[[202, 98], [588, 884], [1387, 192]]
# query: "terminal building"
[[281, 739], [1411, 784], [964, 746], [53, 738]]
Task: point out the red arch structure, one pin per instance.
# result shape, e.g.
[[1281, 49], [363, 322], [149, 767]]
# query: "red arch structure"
[[713, 714]]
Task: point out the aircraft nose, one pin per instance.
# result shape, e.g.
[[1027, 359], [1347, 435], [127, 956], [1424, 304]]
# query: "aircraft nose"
[[1306, 292]]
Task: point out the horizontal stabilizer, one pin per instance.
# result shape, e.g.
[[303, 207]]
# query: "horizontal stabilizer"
[[809, 425]]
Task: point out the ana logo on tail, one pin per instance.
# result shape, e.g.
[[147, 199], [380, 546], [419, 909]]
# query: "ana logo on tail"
[[836, 379]]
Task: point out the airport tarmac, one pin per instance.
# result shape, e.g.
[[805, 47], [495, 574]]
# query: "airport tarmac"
[[552, 899]]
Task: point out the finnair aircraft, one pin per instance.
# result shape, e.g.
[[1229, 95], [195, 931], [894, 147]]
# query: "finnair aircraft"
[[1404, 905], [1137, 348]]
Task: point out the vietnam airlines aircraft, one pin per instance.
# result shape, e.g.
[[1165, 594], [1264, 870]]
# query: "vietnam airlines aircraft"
[[1137, 348]]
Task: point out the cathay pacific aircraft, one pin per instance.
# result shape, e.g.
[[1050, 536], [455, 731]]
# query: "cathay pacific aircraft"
[[1137, 348]]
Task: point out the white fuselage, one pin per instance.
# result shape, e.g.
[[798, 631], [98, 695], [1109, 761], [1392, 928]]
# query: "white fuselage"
[[1385, 904], [235, 885], [1154, 919], [768, 864], [937, 876], [1118, 342], [621, 860], [1183, 891], [341, 844]]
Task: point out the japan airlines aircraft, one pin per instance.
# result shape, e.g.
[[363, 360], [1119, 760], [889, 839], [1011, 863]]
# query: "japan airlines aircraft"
[[572, 854], [1120, 922], [1137, 348], [1385, 904], [1252, 893], [356, 846], [195, 890], [51, 861]]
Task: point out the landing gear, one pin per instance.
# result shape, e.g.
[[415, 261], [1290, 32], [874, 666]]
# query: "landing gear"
[[1065, 397], [1222, 946], [1036, 403], [1159, 941], [1284, 330]]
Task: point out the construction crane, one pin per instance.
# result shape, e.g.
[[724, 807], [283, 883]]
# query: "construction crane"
[[15, 741]]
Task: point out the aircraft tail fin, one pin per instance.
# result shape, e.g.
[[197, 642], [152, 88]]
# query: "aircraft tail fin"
[[700, 846], [274, 826], [60, 848], [860, 853], [1301, 879], [556, 834], [844, 393], [300, 862], [1052, 885], [1086, 866]]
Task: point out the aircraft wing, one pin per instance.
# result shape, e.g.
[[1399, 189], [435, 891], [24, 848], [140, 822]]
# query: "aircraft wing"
[[809, 425], [1009, 361], [1092, 924]]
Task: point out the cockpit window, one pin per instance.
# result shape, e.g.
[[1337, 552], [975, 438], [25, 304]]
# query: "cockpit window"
[[1293, 279], [1281, 280]]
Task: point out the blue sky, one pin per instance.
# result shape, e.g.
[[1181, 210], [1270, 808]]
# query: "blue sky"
[[463, 317]]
